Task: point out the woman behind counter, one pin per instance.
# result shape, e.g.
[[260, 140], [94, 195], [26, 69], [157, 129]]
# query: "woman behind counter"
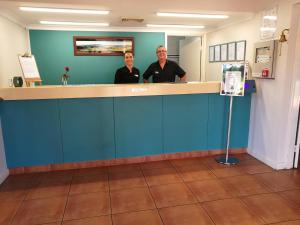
[[128, 73]]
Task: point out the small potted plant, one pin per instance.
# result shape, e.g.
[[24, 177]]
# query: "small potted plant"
[[65, 76]]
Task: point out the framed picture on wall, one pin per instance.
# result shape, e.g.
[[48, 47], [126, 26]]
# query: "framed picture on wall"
[[231, 51], [211, 53], [102, 46], [224, 52], [240, 50], [217, 53]]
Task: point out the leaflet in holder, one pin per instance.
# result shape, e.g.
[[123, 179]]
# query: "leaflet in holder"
[[233, 80]]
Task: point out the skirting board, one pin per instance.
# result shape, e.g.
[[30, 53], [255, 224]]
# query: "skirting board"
[[3, 175], [121, 161]]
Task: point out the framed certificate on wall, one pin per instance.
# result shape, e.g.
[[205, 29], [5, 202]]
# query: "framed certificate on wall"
[[211, 54], [231, 51], [240, 50], [217, 53], [224, 52]]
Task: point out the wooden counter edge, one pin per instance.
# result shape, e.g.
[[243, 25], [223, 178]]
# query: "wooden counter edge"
[[108, 90]]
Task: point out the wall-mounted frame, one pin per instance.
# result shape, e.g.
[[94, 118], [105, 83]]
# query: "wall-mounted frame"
[[102, 46], [231, 51], [217, 53], [224, 52], [211, 53], [240, 50]]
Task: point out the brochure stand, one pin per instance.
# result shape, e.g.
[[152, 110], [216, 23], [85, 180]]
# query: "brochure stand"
[[233, 84]]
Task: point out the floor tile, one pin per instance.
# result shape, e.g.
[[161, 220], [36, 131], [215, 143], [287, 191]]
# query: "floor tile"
[[102, 220], [193, 173], [161, 176], [293, 196], [244, 157], [65, 175], [7, 211], [209, 190], [230, 212], [185, 215], [131, 179], [226, 171], [178, 163], [87, 205], [18, 186], [39, 211], [89, 184], [124, 168], [296, 222], [278, 181], [91, 171], [129, 200], [150, 217], [50, 188], [172, 195], [57, 223], [156, 165], [271, 208], [255, 169], [244, 185]]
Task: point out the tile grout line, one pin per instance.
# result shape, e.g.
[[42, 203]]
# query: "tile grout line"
[[22, 202], [250, 210], [70, 185], [109, 192], [152, 196]]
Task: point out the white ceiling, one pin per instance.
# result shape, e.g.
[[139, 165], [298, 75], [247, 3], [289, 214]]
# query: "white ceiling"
[[236, 9]]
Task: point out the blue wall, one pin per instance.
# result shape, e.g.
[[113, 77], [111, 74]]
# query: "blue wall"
[[53, 51], [40, 132]]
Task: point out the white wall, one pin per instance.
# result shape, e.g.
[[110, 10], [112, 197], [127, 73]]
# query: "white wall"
[[13, 41], [271, 104]]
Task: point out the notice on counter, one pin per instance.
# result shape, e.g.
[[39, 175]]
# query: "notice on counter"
[[29, 67]]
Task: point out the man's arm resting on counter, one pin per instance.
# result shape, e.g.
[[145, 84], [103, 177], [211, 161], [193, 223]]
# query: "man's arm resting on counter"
[[184, 78]]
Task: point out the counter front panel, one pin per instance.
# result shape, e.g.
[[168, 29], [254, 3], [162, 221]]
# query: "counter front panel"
[[41, 132]]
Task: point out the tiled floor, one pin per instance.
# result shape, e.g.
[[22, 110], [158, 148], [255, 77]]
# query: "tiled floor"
[[194, 191]]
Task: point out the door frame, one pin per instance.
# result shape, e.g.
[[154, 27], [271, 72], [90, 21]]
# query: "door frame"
[[290, 150]]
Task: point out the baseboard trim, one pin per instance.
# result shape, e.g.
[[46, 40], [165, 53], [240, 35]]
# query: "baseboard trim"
[[3, 175], [121, 161]]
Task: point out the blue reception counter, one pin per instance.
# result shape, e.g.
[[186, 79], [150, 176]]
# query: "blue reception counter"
[[55, 131]]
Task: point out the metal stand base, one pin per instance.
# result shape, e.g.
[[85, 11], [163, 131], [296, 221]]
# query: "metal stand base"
[[230, 160]]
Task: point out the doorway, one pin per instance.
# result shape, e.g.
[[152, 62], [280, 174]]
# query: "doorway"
[[186, 51]]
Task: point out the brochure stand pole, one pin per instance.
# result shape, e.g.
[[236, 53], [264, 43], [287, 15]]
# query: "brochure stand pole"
[[226, 159]]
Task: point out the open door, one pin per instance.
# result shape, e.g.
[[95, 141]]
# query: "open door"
[[190, 57], [297, 142]]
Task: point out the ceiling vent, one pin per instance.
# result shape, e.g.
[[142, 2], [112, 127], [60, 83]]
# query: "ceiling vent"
[[136, 20]]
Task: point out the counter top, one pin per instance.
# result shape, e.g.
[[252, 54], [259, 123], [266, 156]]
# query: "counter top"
[[107, 90]]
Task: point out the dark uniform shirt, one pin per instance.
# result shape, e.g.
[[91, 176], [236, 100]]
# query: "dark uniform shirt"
[[167, 74], [123, 75]]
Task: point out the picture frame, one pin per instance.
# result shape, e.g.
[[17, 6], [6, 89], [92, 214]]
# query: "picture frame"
[[240, 50], [231, 51], [217, 51], [102, 46], [224, 52], [211, 53]]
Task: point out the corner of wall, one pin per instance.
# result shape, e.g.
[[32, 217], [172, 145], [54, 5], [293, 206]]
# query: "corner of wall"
[[4, 172]]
